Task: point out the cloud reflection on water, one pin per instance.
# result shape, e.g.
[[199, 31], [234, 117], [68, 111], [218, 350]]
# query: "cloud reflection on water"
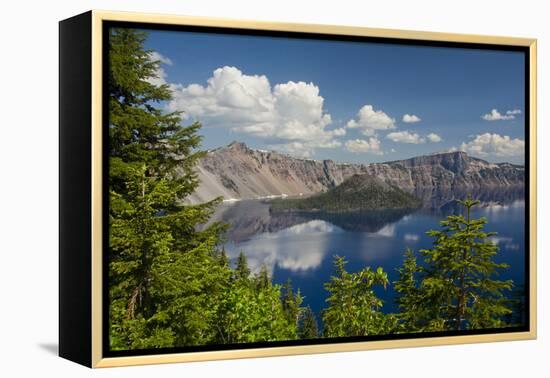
[[297, 248], [300, 247], [504, 242], [387, 231], [295, 243]]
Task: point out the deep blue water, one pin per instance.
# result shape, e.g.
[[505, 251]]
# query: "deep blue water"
[[301, 247]]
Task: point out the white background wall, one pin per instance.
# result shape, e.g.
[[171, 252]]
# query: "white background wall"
[[28, 190]]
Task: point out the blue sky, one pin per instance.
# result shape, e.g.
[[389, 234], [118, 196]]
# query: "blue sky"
[[346, 100]]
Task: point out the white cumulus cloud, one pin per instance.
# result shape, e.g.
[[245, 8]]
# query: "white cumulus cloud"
[[291, 114], [494, 145], [405, 137], [302, 149], [372, 145], [160, 78], [410, 118], [434, 138], [368, 121], [495, 115]]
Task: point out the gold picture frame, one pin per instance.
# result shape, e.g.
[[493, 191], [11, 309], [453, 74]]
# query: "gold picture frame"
[[89, 329]]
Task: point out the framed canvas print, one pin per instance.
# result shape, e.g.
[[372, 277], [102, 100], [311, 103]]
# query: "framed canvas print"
[[234, 189]]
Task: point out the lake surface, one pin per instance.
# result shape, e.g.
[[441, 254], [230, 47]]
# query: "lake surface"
[[301, 247]]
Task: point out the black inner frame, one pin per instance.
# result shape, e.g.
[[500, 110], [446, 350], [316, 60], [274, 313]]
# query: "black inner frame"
[[106, 25]]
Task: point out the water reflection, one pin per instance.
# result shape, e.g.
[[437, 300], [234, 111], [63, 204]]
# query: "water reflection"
[[411, 238], [445, 200], [250, 217], [363, 221], [296, 248], [300, 246], [505, 242]]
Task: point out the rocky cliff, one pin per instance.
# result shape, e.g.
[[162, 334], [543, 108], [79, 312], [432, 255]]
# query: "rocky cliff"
[[239, 172], [448, 170]]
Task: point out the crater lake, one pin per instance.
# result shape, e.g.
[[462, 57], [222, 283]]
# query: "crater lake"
[[301, 246]]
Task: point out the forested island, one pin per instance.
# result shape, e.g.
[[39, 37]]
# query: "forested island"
[[360, 192], [171, 284]]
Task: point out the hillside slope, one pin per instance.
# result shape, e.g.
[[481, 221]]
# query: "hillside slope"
[[239, 172]]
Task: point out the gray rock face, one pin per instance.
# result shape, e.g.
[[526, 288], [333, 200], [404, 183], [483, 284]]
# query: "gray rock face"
[[238, 172], [455, 170]]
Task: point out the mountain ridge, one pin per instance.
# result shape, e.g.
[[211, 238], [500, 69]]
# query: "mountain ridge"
[[237, 172]]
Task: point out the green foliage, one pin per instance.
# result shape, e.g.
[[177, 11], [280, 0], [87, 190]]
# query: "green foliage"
[[406, 287], [136, 126], [242, 271], [308, 328], [359, 192], [292, 306], [457, 287], [262, 279], [251, 310], [224, 260], [248, 315], [166, 278], [171, 283], [354, 308]]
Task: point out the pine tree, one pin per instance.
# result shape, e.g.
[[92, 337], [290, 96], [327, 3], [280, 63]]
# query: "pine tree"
[[292, 304], [309, 328], [459, 289], [252, 313], [407, 297], [354, 308], [242, 271], [262, 279], [224, 260], [163, 281]]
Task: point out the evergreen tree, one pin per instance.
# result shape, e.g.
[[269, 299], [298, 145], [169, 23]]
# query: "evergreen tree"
[[253, 313], [292, 304], [459, 289], [407, 294], [308, 325], [354, 308], [242, 271], [224, 260], [164, 284], [170, 283], [262, 279]]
